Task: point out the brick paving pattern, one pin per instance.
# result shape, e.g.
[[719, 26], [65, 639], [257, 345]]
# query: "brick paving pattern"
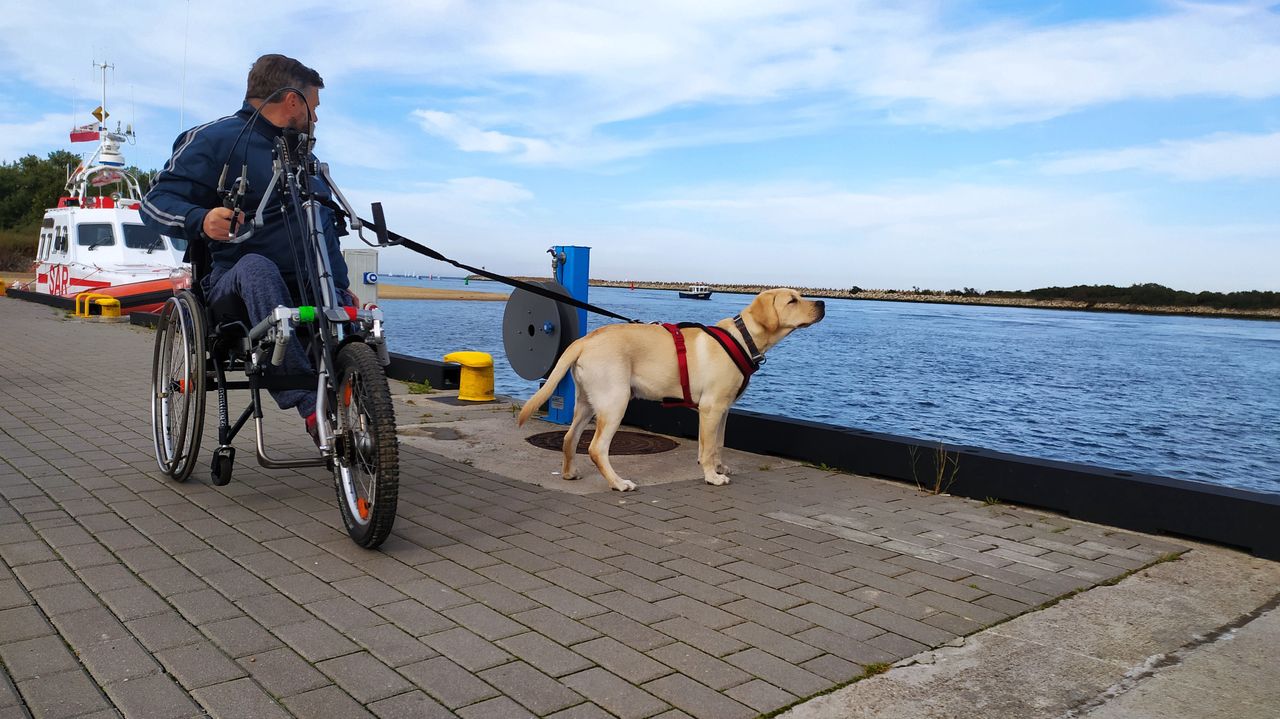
[[122, 593]]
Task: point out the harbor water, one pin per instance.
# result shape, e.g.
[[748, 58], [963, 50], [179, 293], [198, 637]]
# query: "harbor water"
[[1189, 397]]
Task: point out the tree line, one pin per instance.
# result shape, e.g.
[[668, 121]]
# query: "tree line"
[[1147, 294], [1151, 294]]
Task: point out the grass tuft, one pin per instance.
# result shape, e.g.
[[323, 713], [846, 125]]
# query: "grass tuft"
[[874, 668], [946, 465]]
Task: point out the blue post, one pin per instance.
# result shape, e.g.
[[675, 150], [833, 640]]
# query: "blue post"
[[571, 270]]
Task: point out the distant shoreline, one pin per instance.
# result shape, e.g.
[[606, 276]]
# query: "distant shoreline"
[[900, 296], [405, 292]]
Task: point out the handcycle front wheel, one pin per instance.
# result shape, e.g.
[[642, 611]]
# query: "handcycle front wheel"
[[178, 385], [366, 465]]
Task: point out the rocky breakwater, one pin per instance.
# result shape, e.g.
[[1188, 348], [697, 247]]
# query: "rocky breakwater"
[[956, 299]]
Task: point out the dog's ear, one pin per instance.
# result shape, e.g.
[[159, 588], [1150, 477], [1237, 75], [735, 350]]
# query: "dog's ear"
[[764, 309]]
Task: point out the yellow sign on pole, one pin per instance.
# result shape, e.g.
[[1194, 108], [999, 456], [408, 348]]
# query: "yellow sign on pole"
[[101, 114]]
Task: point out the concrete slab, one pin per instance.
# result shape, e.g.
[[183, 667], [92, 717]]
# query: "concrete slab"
[[484, 435], [1193, 638]]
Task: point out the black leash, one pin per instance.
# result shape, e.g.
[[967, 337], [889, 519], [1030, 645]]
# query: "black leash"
[[387, 237]]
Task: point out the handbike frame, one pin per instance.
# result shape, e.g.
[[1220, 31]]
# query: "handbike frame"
[[266, 342]]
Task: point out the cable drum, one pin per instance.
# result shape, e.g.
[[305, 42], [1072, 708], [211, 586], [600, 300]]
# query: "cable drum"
[[536, 330]]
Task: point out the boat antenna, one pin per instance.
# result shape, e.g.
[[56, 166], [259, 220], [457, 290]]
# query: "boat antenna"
[[182, 93], [133, 120], [103, 120]]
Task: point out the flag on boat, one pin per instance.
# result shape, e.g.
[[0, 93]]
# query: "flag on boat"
[[85, 133], [106, 177]]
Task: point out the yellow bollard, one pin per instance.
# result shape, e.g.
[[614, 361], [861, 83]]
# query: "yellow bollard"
[[108, 306], [476, 381], [82, 302]]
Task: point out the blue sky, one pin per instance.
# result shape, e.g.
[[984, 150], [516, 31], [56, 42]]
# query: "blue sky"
[[822, 143]]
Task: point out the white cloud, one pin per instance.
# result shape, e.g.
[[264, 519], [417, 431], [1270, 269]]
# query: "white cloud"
[[564, 81], [342, 140], [965, 235], [472, 198], [475, 220], [1007, 73], [936, 215], [575, 71], [1216, 157], [593, 148], [18, 139], [483, 191], [470, 138]]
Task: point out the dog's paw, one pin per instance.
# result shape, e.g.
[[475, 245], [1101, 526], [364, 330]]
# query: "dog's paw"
[[625, 486], [570, 476], [717, 479], [723, 468]]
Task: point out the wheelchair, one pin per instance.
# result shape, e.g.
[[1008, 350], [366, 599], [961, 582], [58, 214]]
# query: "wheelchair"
[[201, 349]]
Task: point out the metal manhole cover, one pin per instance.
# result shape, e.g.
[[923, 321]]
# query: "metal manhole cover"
[[623, 442]]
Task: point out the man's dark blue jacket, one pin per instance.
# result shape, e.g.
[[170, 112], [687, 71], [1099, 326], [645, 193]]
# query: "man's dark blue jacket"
[[187, 188]]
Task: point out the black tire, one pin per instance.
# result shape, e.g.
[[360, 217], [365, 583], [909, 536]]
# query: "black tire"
[[178, 385], [366, 469]]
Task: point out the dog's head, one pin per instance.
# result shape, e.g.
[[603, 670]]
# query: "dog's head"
[[782, 311]]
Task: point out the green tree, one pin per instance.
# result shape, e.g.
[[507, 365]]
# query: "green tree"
[[31, 185]]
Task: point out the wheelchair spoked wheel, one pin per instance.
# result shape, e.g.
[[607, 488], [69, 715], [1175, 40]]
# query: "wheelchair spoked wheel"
[[366, 463], [178, 385]]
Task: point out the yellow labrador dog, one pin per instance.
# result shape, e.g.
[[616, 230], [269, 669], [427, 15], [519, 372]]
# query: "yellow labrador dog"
[[619, 361]]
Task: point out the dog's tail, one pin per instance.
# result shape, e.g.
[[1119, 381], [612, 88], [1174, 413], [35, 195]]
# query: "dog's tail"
[[562, 368]]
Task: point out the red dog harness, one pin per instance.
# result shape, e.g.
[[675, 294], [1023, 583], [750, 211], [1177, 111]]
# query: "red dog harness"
[[747, 363]]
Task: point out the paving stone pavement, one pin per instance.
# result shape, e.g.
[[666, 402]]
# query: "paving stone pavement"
[[122, 593]]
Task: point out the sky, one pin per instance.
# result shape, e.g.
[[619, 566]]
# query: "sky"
[[814, 143]]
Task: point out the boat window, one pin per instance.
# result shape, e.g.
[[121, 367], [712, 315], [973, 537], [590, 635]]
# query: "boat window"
[[179, 243], [60, 239], [48, 222], [141, 237], [95, 234]]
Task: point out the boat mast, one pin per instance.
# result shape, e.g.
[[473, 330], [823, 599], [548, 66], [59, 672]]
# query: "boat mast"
[[106, 160], [102, 121]]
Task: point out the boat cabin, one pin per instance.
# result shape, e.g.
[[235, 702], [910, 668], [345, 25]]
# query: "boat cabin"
[[696, 292]]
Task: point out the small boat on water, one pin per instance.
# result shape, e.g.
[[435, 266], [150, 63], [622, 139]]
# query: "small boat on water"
[[96, 242], [696, 292]]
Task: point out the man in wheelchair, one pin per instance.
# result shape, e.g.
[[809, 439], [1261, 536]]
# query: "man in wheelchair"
[[259, 213], [189, 196]]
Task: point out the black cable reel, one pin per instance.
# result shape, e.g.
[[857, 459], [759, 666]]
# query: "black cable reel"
[[536, 330]]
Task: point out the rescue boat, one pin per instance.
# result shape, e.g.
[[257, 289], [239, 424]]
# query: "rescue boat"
[[97, 242]]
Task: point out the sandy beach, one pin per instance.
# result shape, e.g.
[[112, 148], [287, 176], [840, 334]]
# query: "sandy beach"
[[11, 277], [402, 292]]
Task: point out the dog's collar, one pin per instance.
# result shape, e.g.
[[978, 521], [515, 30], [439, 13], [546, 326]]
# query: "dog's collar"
[[756, 355]]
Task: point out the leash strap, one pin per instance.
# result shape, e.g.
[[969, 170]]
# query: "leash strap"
[[387, 237], [682, 360]]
